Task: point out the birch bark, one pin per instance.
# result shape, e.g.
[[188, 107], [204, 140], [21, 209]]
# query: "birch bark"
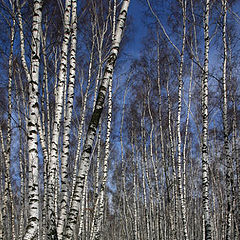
[[7, 185], [135, 225], [144, 171], [105, 166], [154, 224], [173, 225], [179, 141], [46, 141], [204, 150], [123, 169], [1, 226], [87, 149], [21, 173], [67, 123], [225, 123], [83, 113], [53, 161], [33, 219]]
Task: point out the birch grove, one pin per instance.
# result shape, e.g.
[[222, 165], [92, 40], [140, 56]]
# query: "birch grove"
[[119, 119]]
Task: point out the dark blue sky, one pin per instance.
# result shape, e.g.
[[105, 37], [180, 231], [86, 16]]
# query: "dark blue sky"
[[141, 16], [139, 19], [136, 12]]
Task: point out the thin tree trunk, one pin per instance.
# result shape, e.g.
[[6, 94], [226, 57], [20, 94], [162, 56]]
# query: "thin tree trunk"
[[173, 225], [83, 115], [99, 219], [144, 169], [21, 173], [123, 169], [179, 141], [135, 224], [237, 162], [186, 138], [1, 225], [154, 224], [96, 192], [205, 173], [5, 193], [67, 123], [225, 124], [8, 185], [53, 161]]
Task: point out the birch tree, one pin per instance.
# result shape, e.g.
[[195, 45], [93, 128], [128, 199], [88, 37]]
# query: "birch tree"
[[8, 194], [53, 162], [33, 219], [67, 122], [87, 149], [204, 150], [225, 123]]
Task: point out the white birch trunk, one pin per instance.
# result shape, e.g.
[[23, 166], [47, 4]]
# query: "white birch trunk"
[[179, 141], [46, 137], [22, 45], [186, 139], [123, 169], [87, 149], [21, 173], [1, 225], [173, 224], [236, 158], [144, 171], [99, 219], [53, 161], [83, 115], [135, 224], [154, 224], [225, 124], [5, 193], [205, 174], [67, 123], [96, 192], [8, 187], [33, 219], [82, 212], [160, 118]]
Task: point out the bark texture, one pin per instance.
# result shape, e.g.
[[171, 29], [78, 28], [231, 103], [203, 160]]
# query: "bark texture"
[[33, 219]]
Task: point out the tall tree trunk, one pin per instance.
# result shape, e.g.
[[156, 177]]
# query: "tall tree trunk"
[[99, 219], [135, 224], [53, 161], [67, 123], [179, 140], [8, 184], [174, 183], [123, 192], [46, 141], [205, 172], [21, 173], [88, 146], [225, 123], [83, 114], [33, 219], [145, 174]]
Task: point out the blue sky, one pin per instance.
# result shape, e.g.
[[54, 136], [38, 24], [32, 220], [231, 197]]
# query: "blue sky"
[[136, 12]]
